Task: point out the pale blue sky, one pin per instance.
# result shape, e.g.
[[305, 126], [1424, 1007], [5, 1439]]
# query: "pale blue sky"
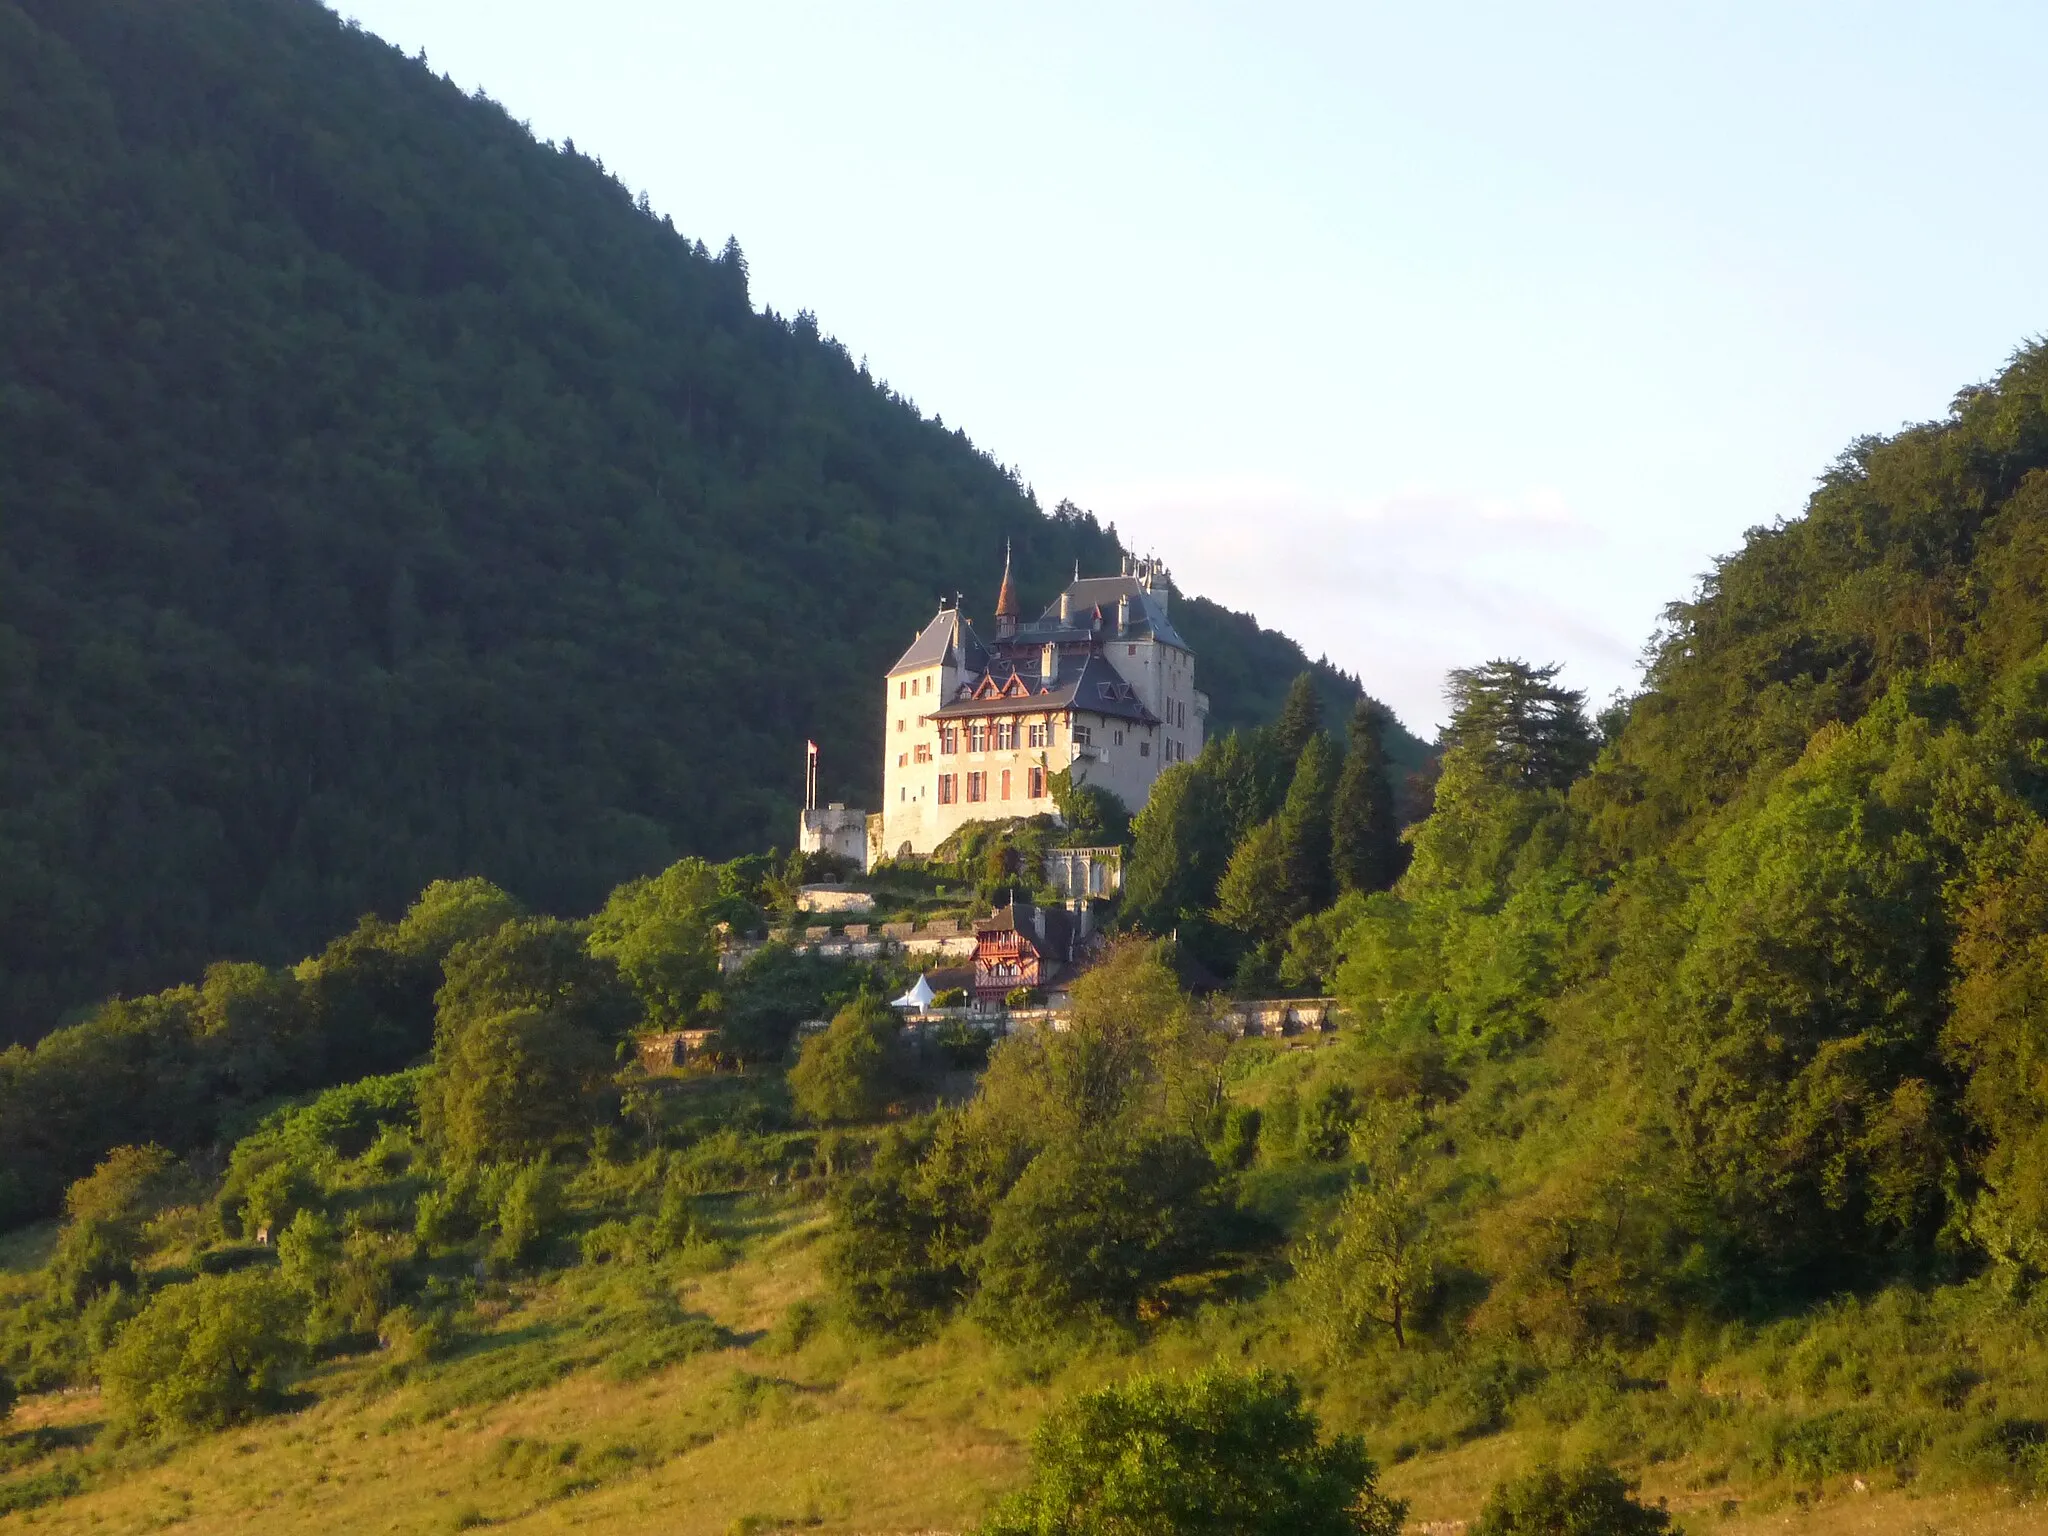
[[1425, 333]]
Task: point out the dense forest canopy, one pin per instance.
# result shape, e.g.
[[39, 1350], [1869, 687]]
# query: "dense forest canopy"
[[386, 496]]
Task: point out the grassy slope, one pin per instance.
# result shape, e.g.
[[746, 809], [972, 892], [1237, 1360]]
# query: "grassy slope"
[[528, 1424], [835, 1437]]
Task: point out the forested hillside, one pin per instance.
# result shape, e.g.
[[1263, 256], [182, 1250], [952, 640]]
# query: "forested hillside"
[[1685, 1124], [384, 496]]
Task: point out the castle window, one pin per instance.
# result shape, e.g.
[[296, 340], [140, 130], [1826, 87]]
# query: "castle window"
[[949, 739], [1144, 749], [1119, 738], [977, 787], [1041, 733], [1006, 783], [1134, 650], [1006, 738], [977, 736], [923, 753], [901, 722], [949, 788], [1034, 783], [902, 759], [1083, 737]]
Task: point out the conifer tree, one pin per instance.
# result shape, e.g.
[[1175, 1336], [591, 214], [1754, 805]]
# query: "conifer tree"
[[1249, 779], [1305, 829], [1180, 844], [1529, 732], [1252, 897], [1301, 717], [1365, 845]]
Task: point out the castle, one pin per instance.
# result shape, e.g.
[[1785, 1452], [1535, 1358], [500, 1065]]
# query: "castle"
[[1100, 684]]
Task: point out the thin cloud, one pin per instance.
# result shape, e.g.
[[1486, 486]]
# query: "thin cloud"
[[1404, 588]]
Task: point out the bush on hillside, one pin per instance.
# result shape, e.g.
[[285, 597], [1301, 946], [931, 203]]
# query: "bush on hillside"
[[776, 990], [102, 1238], [529, 1212], [659, 933], [904, 1229], [1588, 1500], [850, 1070], [1092, 1230], [1221, 1453], [519, 1085], [206, 1354]]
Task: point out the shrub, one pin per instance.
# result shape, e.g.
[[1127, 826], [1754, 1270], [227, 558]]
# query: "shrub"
[[846, 1073], [800, 1322], [1090, 1230], [518, 1084], [897, 1259], [1019, 997], [1221, 1453], [950, 997], [346, 1280], [1238, 1146], [1375, 1266], [102, 1239], [206, 1354], [675, 1219], [958, 1043], [1326, 1120], [1588, 1500], [776, 991], [447, 1215], [528, 1212], [414, 1335], [1277, 1131], [8, 1396], [275, 1197]]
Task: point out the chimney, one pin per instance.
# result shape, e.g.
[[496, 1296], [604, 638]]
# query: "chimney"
[[1049, 664], [1066, 608], [1123, 613]]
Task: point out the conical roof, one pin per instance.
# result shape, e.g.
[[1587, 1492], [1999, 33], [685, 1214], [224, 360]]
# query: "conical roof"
[[1006, 600]]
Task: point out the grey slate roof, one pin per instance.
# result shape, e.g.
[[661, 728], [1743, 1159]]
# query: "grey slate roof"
[[1094, 686], [1091, 592], [946, 634]]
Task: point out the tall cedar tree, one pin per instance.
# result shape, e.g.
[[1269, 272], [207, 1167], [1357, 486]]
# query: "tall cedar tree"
[[1365, 837], [1530, 733], [1301, 717]]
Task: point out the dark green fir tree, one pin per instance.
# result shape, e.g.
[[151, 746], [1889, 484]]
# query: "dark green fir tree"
[[1305, 828], [1365, 835], [1301, 717]]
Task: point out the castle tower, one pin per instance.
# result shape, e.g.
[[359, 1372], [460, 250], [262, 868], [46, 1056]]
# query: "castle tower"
[[1008, 611]]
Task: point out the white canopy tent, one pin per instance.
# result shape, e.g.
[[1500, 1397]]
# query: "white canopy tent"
[[918, 997]]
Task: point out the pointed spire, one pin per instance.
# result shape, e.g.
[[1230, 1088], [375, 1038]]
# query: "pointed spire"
[[1007, 609], [1006, 600]]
